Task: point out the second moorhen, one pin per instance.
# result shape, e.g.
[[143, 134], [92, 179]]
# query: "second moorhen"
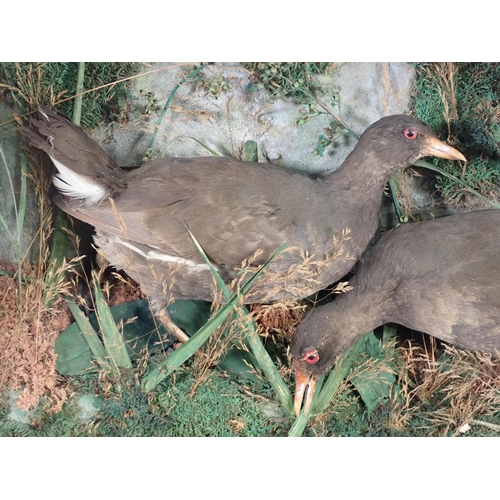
[[441, 277]]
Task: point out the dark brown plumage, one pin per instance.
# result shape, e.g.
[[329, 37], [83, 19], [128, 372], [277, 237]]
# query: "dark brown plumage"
[[441, 277], [235, 210]]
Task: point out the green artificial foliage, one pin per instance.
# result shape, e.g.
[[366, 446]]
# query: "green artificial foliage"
[[461, 103], [287, 79], [374, 386], [140, 331], [106, 103]]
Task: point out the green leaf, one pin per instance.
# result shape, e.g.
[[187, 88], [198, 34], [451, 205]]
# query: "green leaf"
[[76, 345], [111, 335], [236, 361], [203, 145], [320, 146], [74, 355], [374, 387]]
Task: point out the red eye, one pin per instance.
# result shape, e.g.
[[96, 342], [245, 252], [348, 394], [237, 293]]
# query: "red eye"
[[410, 133], [311, 357]]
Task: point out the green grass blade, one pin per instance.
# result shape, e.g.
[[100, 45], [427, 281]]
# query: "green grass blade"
[[265, 362], [301, 421], [19, 211], [210, 150], [112, 337], [430, 166], [10, 236], [394, 197], [299, 425], [10, 181], [169, 101], [77, 104], [22, 200], [253, 340], [90, 335], [20, 224], [186, 350], [220, 282]]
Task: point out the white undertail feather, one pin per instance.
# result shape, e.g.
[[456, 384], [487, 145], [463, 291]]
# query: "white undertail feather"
[[77, 186]]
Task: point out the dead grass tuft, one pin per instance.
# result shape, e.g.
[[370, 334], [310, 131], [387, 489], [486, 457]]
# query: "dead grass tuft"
[[27, 357], [278, 321], [450, 392], [29, 91], [304, 272], [214, 349]]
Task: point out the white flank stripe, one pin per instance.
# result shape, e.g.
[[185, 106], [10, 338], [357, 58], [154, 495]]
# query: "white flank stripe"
[[179, 260], [135, 249], [192, 266], [77, 186]]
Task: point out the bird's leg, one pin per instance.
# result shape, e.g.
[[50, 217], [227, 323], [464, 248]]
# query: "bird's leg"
[[168, 323]]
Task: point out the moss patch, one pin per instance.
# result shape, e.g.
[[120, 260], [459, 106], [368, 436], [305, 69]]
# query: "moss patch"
[[41, 83], [461, 103]]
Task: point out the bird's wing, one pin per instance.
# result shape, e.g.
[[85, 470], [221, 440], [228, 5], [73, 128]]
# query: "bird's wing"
[[459, 303], [232, 208]]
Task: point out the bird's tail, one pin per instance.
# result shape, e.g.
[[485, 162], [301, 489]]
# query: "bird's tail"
[[84, 170]]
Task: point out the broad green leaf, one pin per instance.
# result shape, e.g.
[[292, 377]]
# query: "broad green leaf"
[[374, 386], [235, 362], [74, 355]]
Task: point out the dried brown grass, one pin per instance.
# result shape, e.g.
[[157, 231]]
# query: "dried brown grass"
[[278, 321], [444, 73], [450, 396], [29, 92], [27, 357], [302, 274], [210, 354]]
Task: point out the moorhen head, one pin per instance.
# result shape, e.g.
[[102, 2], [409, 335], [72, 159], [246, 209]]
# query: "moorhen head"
[[441, 277], [239, 212]]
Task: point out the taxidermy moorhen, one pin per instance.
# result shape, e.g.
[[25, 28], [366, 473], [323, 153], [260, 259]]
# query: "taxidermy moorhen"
[[441, 277], [239, 212]]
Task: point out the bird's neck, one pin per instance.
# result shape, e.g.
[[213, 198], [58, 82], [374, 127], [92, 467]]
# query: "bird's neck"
[[338, 329], [358, 312], [369, 310], [364, 169]]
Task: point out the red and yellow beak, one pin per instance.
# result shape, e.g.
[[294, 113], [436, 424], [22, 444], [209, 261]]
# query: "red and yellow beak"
[[304, 386]]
